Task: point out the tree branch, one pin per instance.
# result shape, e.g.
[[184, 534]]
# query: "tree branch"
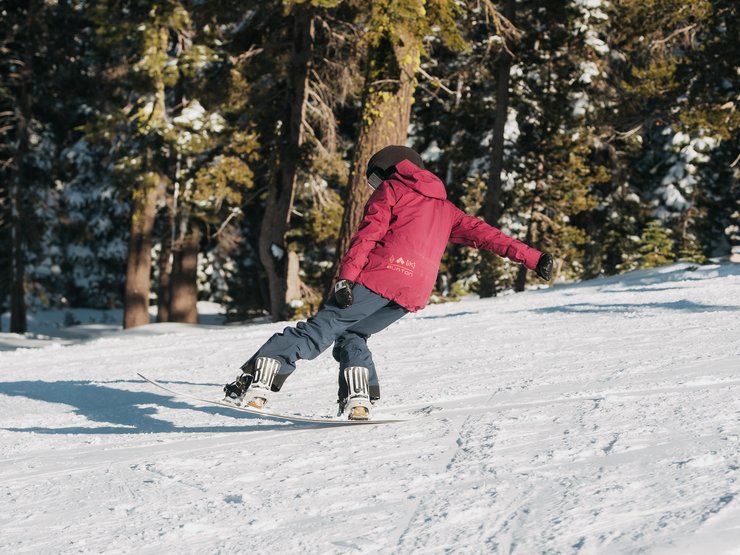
[[436, 81]]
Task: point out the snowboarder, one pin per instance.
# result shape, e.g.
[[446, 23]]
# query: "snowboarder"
[[389, 270]]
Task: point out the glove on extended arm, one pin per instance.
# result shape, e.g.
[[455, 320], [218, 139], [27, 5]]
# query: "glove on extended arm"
[[544, 267], [343, 293]]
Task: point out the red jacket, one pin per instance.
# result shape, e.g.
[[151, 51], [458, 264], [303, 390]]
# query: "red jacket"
[[407, 224]]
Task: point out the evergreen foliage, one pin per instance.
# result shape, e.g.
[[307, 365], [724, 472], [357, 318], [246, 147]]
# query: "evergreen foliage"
[[656, 248], [619, 149]]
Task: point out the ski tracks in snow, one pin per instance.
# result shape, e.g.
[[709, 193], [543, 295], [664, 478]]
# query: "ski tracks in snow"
[[597, 418]]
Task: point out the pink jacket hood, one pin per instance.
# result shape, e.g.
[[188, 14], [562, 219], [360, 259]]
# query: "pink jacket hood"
[[423, 182]]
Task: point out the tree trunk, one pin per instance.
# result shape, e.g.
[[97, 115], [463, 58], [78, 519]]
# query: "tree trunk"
[[386, 113], [540, 185], [532, 230], [18, 321], [276, 220], [144, 211], [170, 198], [492, 205], [164, 282], [184, 280], [165, 263], [138, 271], [521, 276]]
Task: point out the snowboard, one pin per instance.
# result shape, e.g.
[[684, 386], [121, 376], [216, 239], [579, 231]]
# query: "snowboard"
[[324, 420]]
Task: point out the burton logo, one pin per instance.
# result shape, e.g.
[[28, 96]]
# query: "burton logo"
[[401, 265]]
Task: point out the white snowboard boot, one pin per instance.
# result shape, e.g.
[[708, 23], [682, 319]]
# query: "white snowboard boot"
[[259, 391], [357, 403], [253, 387]]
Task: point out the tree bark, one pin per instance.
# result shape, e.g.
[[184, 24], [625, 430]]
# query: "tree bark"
[[164, 281], [18, 323], [144, 211], [273, 251], [170, 199], [184, 280], [18, 320], [521, 276], [492, 204], [386, 114], [532, 229], [165, 263], [138, 271]]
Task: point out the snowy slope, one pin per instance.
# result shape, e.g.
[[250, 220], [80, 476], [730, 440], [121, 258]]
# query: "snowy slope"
[[600, 418]]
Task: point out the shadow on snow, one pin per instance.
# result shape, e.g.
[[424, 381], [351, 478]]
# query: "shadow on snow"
[[124, 408], [441, 316], [622, 308]]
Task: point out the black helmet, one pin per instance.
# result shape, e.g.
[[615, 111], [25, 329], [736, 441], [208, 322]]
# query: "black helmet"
[[383, 163]]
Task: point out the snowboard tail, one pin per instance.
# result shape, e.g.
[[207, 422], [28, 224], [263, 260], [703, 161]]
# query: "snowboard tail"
[[325, 420]]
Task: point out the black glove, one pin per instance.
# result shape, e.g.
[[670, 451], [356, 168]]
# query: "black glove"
[[343, 292], [544, 267]]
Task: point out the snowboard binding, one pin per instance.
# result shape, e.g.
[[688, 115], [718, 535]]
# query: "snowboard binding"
[[253, 387]]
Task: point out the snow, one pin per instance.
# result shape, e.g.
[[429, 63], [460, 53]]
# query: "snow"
[[591, 4], [511, 128], [672, 197], [192, 115], [589, 70], [69, 326], [581, 104], [277, 251], [432, 152], [678, 183], [601, 417], [598, 45]]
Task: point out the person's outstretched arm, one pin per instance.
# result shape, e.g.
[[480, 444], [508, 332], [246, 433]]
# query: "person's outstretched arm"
[[474, 232]]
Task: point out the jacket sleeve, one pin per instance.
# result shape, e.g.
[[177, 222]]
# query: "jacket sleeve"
[[474, 232], [373, 228]]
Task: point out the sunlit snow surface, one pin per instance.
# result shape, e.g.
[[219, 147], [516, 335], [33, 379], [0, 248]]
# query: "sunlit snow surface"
[[595, 418]]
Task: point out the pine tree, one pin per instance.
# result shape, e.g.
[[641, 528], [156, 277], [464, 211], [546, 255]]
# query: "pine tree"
[[138, 36], [193, 132], [281, 265], [555, 169], [19, 130], [675, 82], [690, 250], [656, 248], [490, 266], [395, 30], [456, 115], [193, 158], [539, 166], [43, 76], [294, 96]]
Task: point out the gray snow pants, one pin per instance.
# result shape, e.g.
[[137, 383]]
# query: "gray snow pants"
[[348, 328]]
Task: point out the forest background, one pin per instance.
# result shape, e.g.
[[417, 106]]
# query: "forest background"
[[159, 153]]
